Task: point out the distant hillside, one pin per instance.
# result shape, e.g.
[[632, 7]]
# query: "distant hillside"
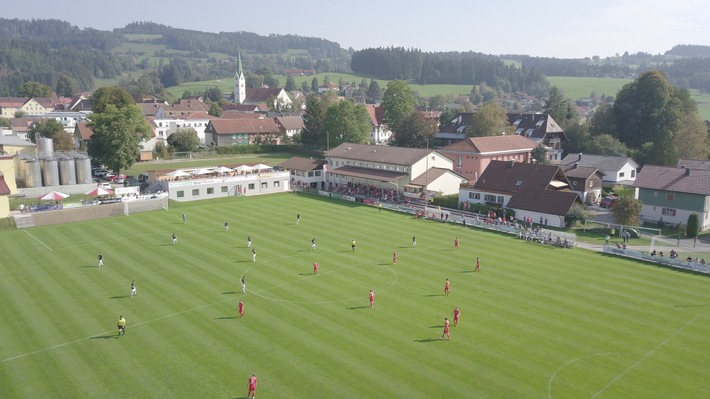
[[689, 50]]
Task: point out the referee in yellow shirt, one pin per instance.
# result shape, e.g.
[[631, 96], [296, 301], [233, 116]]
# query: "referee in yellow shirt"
[[121, 325]]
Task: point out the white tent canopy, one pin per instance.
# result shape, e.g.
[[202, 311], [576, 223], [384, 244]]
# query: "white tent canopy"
[[223, 169], [201, 171], [177, 173], [243, 168], [261, 166]]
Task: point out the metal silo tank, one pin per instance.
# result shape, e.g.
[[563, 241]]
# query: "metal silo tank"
[[83, 170], [50, 172], [67, 171], [33, 173], [45, 147]]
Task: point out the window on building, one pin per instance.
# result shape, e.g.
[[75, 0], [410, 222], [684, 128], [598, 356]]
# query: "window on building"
[[251, 186], [180, 194], [670, 196], [500, 199], [574, 183], [210, 190], [225, 189], [277, 183], [489, 197], [621, 174], [633, 173], [474, 195], [668, 212], [195, 192]]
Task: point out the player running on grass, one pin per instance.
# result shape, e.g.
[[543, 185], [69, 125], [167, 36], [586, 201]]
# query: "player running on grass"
[[121, 325]]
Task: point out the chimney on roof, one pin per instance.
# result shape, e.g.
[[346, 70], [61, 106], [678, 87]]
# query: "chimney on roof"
[[510, 165], [579, 158], [576, 165], [687, 171]]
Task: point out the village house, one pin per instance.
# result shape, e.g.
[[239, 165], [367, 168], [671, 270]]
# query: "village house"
[[471, 156], [539, 192], [671, 193], [305, 172], [243, 132], [410, 171], [542, 129], [616, 170]]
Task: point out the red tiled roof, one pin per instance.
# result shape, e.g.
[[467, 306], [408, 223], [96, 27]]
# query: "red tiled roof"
[[491, 144], [513, 177], [260, 95], [84, 131], [550, 202]]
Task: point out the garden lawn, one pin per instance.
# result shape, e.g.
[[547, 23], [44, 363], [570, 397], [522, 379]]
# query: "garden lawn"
[[535, 322]]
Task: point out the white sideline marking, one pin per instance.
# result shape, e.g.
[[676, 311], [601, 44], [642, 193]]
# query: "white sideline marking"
[[552, 377], [645, 356], [37, 239]]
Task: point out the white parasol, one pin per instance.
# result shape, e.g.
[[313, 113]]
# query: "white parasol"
[[177, 173]]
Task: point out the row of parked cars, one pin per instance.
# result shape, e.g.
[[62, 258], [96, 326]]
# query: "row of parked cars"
[[103, 175]]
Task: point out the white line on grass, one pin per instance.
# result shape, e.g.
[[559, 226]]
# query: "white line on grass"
[[109, 332], [552, 377], [37, 239], [644, 357], [168, 316]]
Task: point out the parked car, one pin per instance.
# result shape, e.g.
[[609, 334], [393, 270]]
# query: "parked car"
[[633, 233], [118, 178], [609, 201], [106, 185]]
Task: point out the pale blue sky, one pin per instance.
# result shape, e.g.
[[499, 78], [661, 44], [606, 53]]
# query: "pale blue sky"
[[552, 28]]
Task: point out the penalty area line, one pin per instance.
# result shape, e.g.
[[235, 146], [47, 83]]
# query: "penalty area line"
[[38, 240]]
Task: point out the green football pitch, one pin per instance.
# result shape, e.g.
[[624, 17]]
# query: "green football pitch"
[[536, 322]]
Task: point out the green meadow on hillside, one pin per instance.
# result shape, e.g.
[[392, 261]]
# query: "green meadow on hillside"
[[535, 322]]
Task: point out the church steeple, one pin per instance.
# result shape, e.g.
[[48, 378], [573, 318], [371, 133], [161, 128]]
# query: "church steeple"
[[240, 92]]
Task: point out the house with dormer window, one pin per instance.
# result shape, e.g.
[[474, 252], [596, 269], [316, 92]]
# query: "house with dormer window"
[[542, 129], [540, 192]]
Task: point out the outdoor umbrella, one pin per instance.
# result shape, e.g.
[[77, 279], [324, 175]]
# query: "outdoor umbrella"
[[223, 169], [243, 168], [99, 191], [261, 166], [201, 171], [177, 173], [53, 196]]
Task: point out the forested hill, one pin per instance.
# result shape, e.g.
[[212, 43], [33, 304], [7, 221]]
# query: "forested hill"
[[467, 68], [29, 52]]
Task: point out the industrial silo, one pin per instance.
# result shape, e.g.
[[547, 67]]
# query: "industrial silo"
[[83, 169], [50, 172], [45, 147], [32, 173], [67, 171]]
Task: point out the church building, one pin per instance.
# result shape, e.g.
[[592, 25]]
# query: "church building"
[[261, 95]]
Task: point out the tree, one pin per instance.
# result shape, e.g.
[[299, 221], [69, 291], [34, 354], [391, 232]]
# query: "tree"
[[650, 110], [290, 83], [117, 135], [557, 106], [346, 122], [34, 89], [314, 85], [415, 131], [627, 211], [606, 144], [312, 120], [111, 95], [692, 227], [304, 87], [490, 120], [577, 214], [398, 103], [213, 94], [66, 86], [539, 154], [51, 129], [184, 139], [691, 140], [216, 110], [374, 92]]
